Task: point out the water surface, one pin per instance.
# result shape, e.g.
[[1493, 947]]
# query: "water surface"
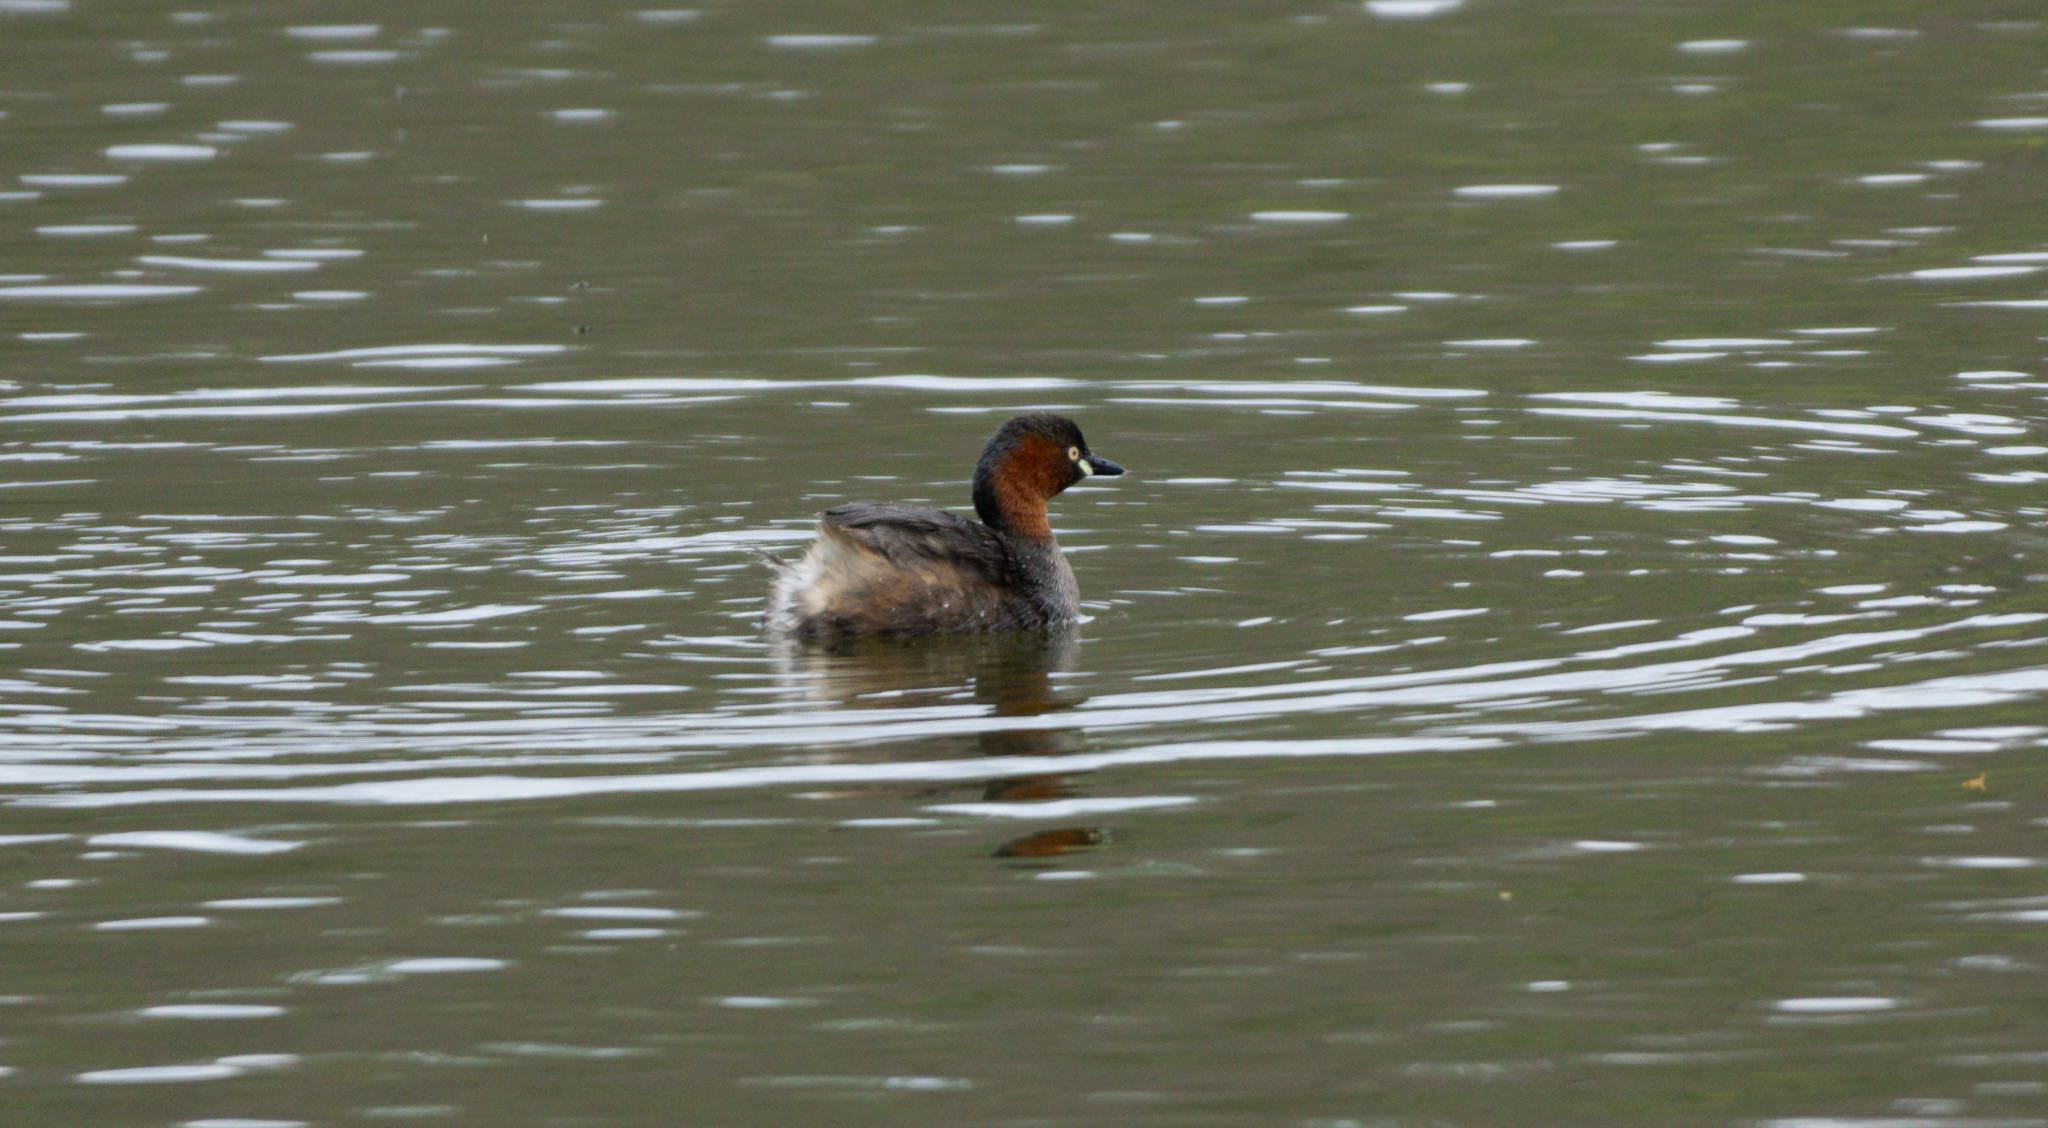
[[1569, 650]]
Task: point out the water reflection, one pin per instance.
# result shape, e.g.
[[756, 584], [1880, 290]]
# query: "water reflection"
[[1008, 675]]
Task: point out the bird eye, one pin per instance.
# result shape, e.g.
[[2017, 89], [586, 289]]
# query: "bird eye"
[[1073, 454]]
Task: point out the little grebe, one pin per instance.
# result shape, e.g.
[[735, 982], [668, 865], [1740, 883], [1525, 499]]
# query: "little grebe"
[[881, 568]]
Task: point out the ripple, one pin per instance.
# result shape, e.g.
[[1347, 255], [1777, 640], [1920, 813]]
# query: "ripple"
[[215, 395], [353, 57], [1064, 808], [618, 912], [382, 352], [1447, 613], [196, 841], [645, 384], [439, 363], [1983, 862], [208, 1011], [1300, 217], [1506, 191], [426, 618], [445, 965], [236, 266], [73, 179], [1307, 387], [85, 230], [484, 789], [1844, 1004], [314, 254], [145, 924], [93, 292], [1600, 846], [1969, 273], [928, 383], [159, 1074], [1859, 430], [1678, 357], [332, 32], [162, 151], [819, 42], [1411, 9]]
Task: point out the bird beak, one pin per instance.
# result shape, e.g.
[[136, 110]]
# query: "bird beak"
[[1095, 464]]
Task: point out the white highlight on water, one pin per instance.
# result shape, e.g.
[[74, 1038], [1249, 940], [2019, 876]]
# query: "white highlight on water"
[[162, 151], [1411, 9], [195, 841], [1506, 191]]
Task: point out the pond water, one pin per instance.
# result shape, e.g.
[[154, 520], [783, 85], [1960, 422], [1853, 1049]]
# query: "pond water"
[[1569, 650]]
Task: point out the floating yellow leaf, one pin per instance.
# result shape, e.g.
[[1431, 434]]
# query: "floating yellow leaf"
[[1975, 783]]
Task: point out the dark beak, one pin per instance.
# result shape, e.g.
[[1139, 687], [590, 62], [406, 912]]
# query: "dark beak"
[[1103, 467]]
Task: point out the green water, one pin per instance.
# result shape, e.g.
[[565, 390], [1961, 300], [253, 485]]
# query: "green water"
[[1568, 650]]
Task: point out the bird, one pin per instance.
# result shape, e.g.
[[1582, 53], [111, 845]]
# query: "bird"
[[885, 569]]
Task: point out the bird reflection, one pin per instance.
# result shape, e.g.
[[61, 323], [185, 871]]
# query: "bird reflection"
[[1012, 675]]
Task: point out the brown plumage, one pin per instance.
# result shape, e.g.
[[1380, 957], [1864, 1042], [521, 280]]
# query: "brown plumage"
[[881, 568]]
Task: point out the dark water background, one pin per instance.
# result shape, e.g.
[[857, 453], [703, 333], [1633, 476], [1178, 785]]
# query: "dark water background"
[[1569, 651]]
